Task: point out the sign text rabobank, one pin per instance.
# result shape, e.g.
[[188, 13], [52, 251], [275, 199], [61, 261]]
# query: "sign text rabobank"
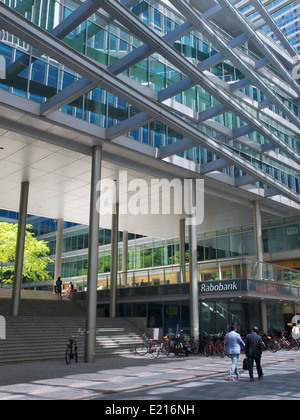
[[220, 286]]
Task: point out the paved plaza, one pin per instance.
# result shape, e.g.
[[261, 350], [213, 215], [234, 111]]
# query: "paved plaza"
[[144, 378]]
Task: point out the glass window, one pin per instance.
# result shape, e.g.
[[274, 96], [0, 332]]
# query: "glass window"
[[235, 245], [97, 44], [139, 72], [222, 247], [185, 316], [157, 74], [148, 258], [222, 317], [235, 313], [38, 71], [171, 316], [139, 309], [265, 238], [276, 239], [208, 319], [155, 315], [248, 243], [210, 249], [52, 77], [292, 236]]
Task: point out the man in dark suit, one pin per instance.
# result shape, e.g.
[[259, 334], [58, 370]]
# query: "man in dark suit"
[[254, 352]]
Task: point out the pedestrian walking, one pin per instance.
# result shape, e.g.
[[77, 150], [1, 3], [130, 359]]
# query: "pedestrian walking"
[[58, 287], [254, 353], [233, 344]]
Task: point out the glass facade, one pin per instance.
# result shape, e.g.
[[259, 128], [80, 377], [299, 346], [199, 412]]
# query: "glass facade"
[[285, 15], [279, 235], [215, 317], [39, 78]]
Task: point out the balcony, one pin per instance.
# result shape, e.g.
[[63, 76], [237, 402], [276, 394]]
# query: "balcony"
[[233, 278]]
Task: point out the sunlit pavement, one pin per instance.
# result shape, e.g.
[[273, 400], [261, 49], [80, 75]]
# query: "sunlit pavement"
[[144, 378]]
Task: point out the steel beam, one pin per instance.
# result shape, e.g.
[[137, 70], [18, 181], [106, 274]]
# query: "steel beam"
[[125, 89]]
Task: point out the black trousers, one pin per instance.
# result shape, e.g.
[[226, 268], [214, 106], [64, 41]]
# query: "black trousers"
[[258, 366]]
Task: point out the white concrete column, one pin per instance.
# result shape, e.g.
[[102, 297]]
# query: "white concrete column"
[[258, 231], [125, 258], [194, 287], [58, 252], [114, 263], [182, 250], [92, 278], [264, 317], [19, 259], [258, 239]]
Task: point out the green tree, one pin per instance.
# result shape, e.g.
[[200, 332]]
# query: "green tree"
[[36, 254]]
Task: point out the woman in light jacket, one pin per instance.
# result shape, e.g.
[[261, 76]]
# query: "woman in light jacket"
[[233, 343]]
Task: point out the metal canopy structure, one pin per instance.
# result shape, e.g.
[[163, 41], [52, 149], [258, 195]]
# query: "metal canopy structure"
[[259, 62]]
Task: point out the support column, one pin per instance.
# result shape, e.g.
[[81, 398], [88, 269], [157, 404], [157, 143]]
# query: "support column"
[[114, 263], [264, 317], [258, 238], [182, 250], [16, 293], [258, 231], [58, 253], [92, 277], [125, 258], [194, 288]]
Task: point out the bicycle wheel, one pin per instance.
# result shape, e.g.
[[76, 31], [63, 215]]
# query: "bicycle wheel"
[[154, 351], [273, 346], [68, 356], [141, 349], [286, 345], [166, 350], [207, 350], [194, 347], [221, 350], [295, 345]]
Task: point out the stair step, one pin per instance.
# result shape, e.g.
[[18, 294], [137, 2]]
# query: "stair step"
[[45, 324]]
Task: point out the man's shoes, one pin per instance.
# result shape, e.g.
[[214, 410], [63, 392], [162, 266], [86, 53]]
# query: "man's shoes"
[[261, 376], [252, 380], [231, 379]]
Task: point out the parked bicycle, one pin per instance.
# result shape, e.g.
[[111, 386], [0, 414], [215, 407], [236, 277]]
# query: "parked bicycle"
[[214, 345], [194, 345], [149, 346], [177, 344], [72, 350]]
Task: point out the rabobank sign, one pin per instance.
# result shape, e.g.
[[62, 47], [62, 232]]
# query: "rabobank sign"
[[2, 67], [219, 287], [2, 328], [222, 286]]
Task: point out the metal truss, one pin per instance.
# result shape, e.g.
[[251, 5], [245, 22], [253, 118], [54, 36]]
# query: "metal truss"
[[155, 106]]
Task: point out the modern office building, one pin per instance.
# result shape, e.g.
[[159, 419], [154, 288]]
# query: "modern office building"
[[285, 14], [132, 92]]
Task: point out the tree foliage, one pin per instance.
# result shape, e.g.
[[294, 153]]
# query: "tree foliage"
[[36, 255]]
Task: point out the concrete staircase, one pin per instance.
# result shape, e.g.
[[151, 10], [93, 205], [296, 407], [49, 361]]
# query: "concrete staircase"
[[39, 303], [45, 324]]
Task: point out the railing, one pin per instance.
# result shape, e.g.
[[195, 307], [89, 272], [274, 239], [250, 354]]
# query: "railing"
[[221, 270]]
